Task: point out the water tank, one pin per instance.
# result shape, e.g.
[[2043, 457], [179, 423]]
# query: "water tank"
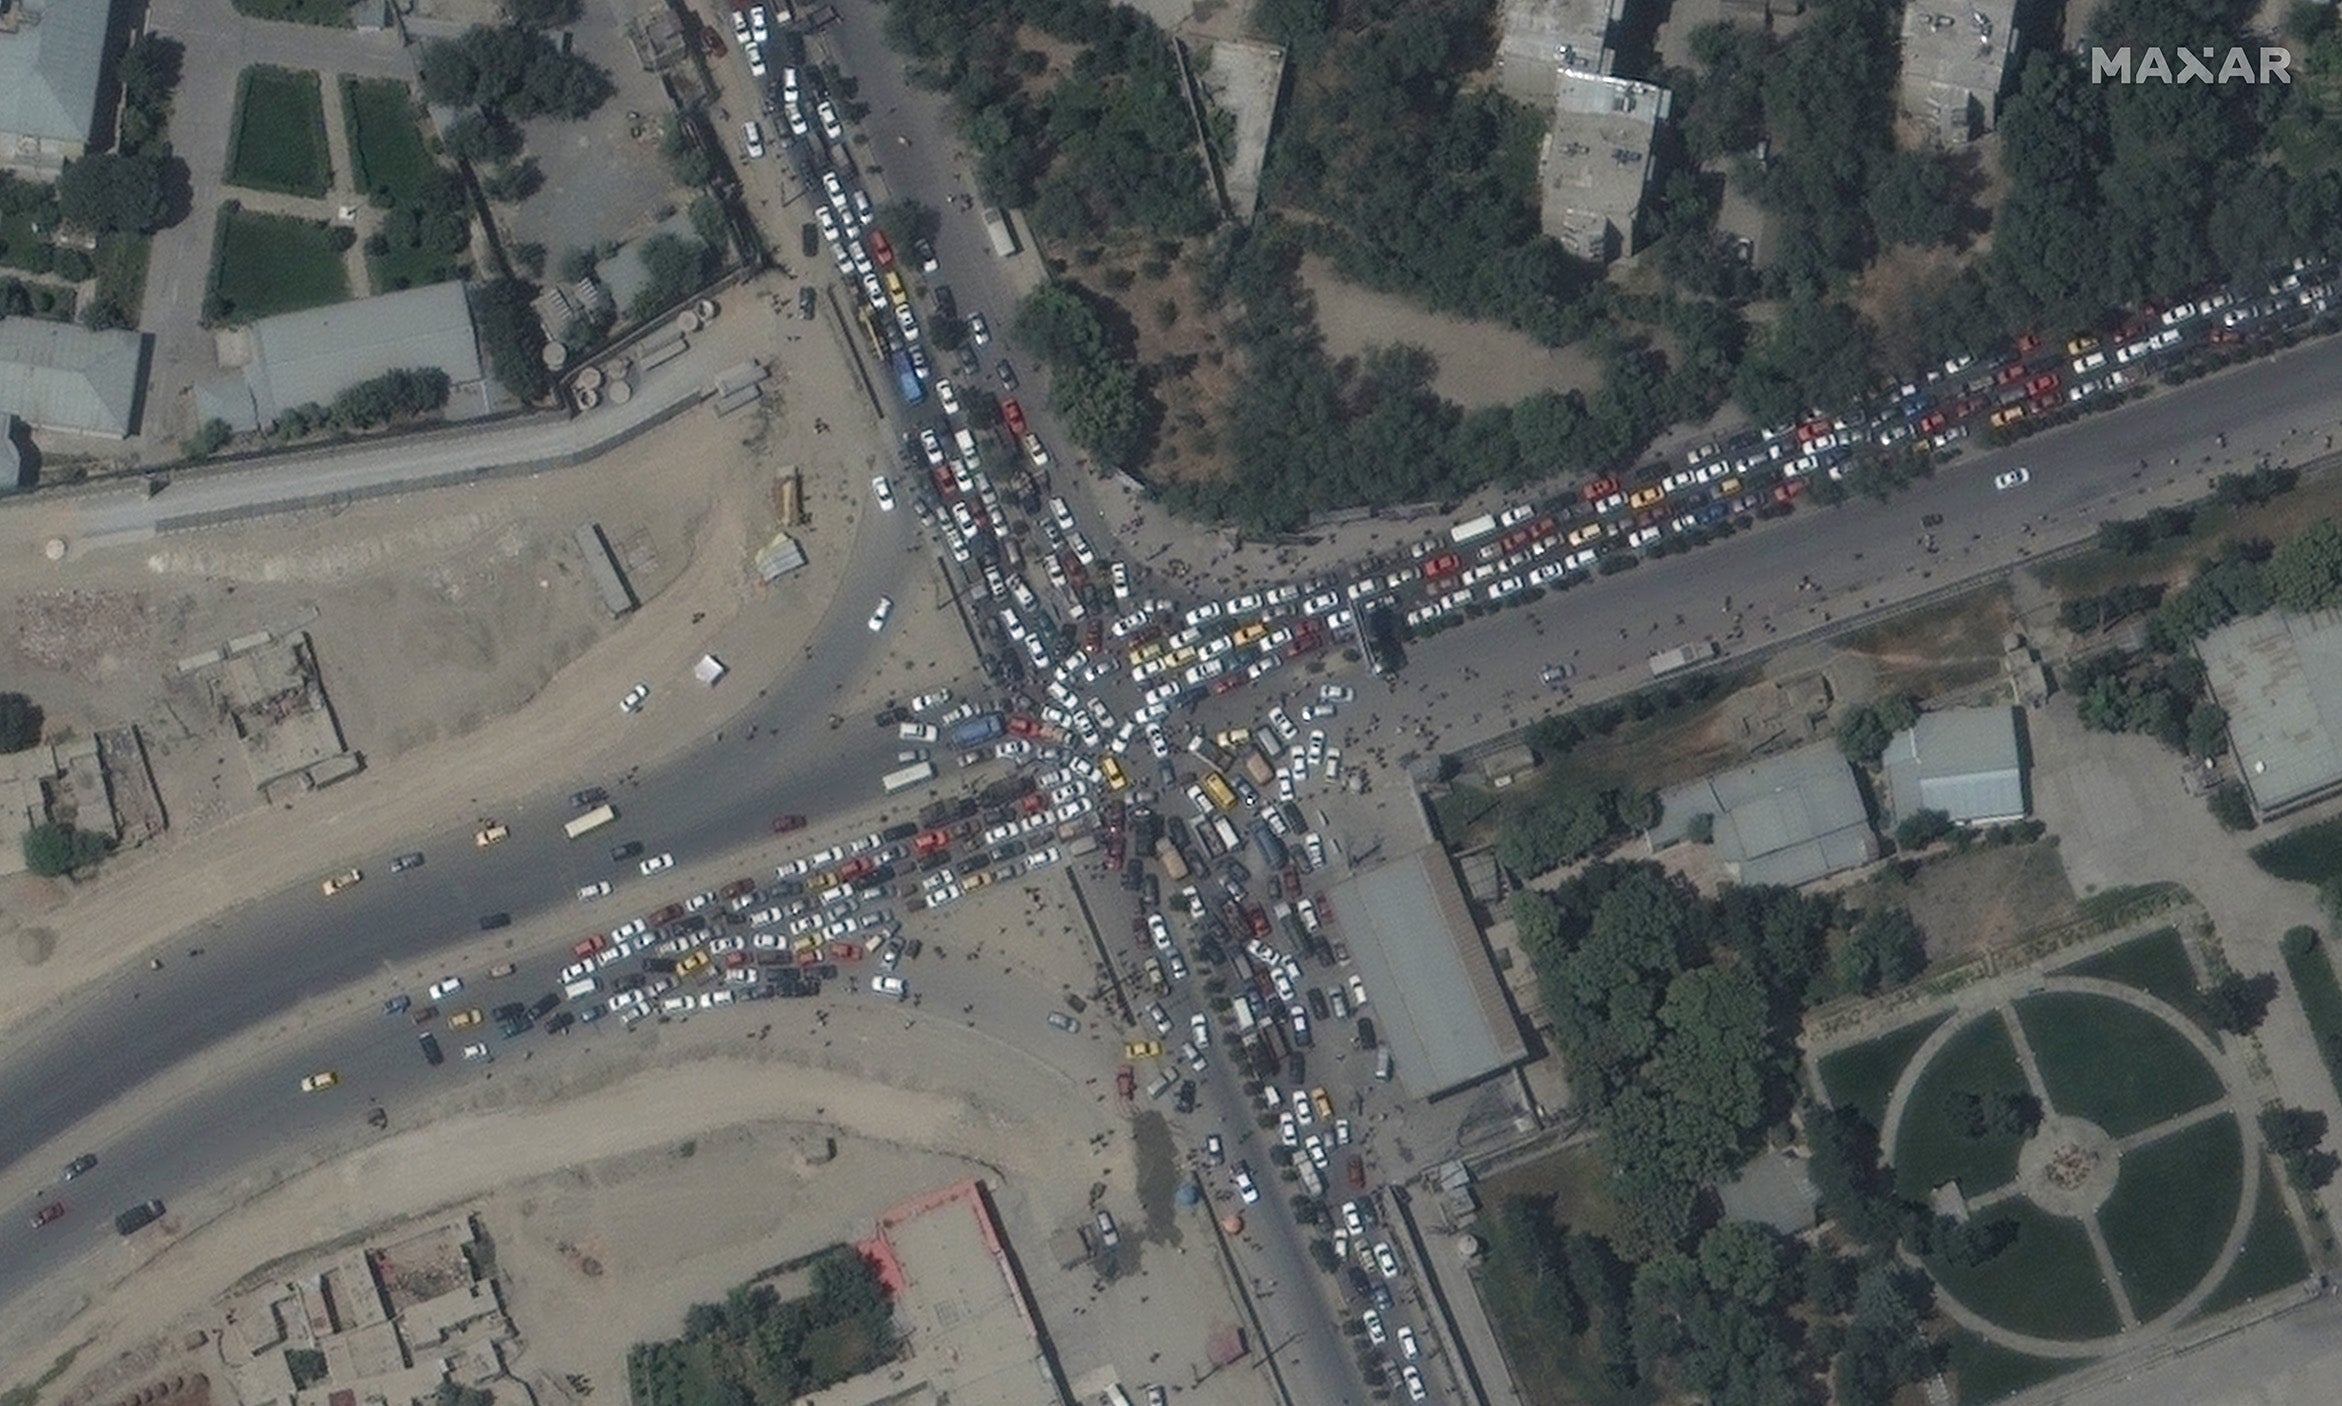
[[1468, 1247], [1189, 1196], [1232, 1223]]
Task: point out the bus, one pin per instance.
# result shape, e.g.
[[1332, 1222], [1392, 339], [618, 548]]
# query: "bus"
[[591, 821], [918, 774], [1216, 786]]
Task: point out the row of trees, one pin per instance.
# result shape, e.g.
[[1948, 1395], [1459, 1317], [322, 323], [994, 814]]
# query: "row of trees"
[[756, 1346], [1094, 387], [511, 71]]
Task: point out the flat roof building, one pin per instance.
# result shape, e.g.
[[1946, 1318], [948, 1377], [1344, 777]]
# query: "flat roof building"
[[56, 376], [1965, 762], [1789, 819], [308, 358], [52, 56], [2279, 676], [1956, 59], [1596, 162], [1437, 1001], [1537, 39]]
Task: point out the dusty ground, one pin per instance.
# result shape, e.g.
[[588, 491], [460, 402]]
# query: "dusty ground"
[[1480, 363], [1979, 900], [1927, 653], [436, 617]]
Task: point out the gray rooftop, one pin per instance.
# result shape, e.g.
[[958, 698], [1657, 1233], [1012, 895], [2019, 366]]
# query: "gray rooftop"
[[1435, 994], [51, 55], [1956, 57], [1963, 762], [1536, 39], [1788, 819], [56, 376], [1597, 161], [2280, 678], [11, 457], [308, 358]]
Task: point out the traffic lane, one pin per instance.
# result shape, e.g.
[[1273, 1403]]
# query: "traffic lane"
[[296, 945]]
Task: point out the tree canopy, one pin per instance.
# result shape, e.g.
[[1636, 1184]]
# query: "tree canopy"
[[107, 193], [512, 71]]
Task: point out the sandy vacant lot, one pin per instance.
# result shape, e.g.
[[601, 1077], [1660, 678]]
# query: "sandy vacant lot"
[[1480, 363]]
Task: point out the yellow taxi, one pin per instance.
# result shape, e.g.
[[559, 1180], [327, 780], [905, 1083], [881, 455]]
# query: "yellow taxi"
[[465, 1019], [694, 963], [1116, 778], [1143, 1049], [340, 881], [1643, 498]]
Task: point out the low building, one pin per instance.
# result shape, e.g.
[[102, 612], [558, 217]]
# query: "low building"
[[1538, 39], [52, 57], [56, 376], [1596, 162], [2279, 676], [1956, 60], [308, 358], [1789, 819], [14, 467], [1965, 762]]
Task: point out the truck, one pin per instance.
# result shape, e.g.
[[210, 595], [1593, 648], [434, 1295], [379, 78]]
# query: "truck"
[[1472, 529], [996, 229], [1174, 863], [1257, 767], [1272, 849], [130, 1222], [591, 821], [978, 730], [907, 378], [917, 774], [1683, 656]]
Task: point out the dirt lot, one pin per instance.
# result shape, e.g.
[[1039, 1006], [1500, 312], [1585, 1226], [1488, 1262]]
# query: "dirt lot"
[[1941, 649], [1979, 900], [1480, 363]]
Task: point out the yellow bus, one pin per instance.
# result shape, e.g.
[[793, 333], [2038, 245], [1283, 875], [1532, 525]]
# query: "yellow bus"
[[1216, 786]]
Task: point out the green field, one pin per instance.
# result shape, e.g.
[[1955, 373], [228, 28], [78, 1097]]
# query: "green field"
[[2155, 963], [2112, 1064], [1864, 1076], [2270, 1258], [386, 146], [2171, 1211], [1932, 1147], [1986, 1371], [2312, 973], [265, 264], [2309, 855], [2045, 1284], [331, 14], [278, 141]]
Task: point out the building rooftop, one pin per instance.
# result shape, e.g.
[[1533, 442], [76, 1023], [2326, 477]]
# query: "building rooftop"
[[11, 456], [1788, 819], [52, 53], [308, 358], [1536, 39], [1437, 1002], [2279, 676], [1956, 57], [1964, 762], [56, 376], [1597, 161]]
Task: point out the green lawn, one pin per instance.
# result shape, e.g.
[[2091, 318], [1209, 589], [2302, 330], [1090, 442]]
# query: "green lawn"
[[2116, 1066], [278, 141], [2155, 963], [386, 146], [2045, 1284], [2171, 1211], [2270, 1258], [2321, 999], [1986, 1371], [1864, 1076], [264, 264], [121, 261], [2309, 855], [21, 246], [332, 14], [1933, 1147]]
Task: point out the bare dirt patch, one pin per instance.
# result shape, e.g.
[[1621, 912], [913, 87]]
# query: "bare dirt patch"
[[1941, 648], [1480, 363], [1979, 900]]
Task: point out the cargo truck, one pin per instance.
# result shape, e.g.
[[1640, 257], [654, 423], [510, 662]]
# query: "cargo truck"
[[1272, 849], [907, 378], [1174, 864], [976, 731], [996, 229], [1257, 767], [1473, 529], [1683, 656], [918, 774], [591, 821]]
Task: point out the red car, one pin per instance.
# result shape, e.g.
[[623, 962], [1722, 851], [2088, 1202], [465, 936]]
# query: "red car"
[[1600, 488], [1022, 726], [855, 868], [930, 841], [2010, 375], [2224, 336], [1512, 541], [1786, 492], [2041, 385], [48, 1213], [2028, 344], [1014, 414], [589, 947], [1445, 564], [1544, 527], [1227, 683], [1932, 423], [882, 251]]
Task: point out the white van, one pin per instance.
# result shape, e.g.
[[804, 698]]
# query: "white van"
[[581, 989]]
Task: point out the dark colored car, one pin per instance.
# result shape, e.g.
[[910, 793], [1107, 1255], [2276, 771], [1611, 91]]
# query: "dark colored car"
[[490, 922], [545, 1005], [49, 1213], [1007, 376], [1366, 1032], [1296, 1068], [1317, 1005], [559, 1023], [130, 1221], [783, 824], [590, 796], [809, 242], [625, 850], [78, 1165], [946, 306], [1185, 1103], [405, 862], [429, 1044]]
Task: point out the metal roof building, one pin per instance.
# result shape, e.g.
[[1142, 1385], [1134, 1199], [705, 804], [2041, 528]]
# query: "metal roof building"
[[52, 54], [1788, 819], [308, 358], [2279, 676], [1537, 39], [56, 376], [1437, 1001], [1956, 58], [1596, 161], [1964, 762]]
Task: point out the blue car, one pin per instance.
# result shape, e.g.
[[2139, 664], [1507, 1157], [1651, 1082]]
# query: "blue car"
[[396, 1005]]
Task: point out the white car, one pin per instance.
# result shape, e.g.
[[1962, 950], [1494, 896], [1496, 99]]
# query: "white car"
[[835, 189], [884, 492], [599, 888], [635, 698], [1409, 1348], [1247, 1190], [1416, 1391], [477, 1052], [1337, 693], [658, 862], [909, 324], [979, 331], [893, 986], [445, 987], [1375, 1332], [830, 126], [1199, 1029], [1386, 1260], [2014, 478], [754, 132], [947, 397], [886, 607]]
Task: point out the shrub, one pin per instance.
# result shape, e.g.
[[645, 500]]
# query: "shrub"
[[55, 848]]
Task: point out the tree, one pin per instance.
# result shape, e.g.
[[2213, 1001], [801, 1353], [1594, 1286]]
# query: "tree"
[[20, 722], [1753, 1263], [542, 14], [2232, 806], [1917, 198], [483, 138], [1885, 949], [1865, 732], [2294, 1134], [54, 848], [1922, 828], [112, 194], [2238, 1004], [2305, 574]]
